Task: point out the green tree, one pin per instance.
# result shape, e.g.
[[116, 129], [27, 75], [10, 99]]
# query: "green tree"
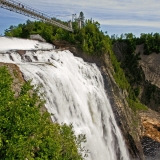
[[27, 133], [89, 38], [82, 18]]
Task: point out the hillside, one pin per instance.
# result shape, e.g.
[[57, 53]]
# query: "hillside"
[[139, 59]]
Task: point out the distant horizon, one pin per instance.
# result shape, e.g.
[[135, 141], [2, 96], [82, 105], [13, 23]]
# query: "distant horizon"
[[115, 17]]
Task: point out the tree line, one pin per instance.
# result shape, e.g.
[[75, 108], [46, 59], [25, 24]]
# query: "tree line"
[[89, 38]]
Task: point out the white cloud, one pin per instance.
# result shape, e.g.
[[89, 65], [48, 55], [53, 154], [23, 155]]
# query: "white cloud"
[[124, 22], [107, 12], [139, 8]]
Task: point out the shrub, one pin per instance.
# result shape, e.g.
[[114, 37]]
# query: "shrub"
[[26, 133]]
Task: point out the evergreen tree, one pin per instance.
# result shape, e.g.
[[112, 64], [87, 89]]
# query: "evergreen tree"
[[82, 18]]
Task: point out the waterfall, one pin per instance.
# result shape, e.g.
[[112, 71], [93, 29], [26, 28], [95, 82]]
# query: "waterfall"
[[74, 93]]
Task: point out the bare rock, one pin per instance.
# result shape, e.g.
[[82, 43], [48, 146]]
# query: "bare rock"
[[151, 67], [37, 37], [17, 76], [150, 121], [21, 52]]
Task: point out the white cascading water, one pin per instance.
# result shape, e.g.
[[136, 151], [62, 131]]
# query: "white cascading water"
[[74, 93]]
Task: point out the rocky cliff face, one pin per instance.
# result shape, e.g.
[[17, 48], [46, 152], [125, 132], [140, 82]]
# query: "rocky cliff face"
[[129, 123], [148, 70], [127, 120], [150, 140], [150, 65], [150, 121], [149, 95], [16, 75]]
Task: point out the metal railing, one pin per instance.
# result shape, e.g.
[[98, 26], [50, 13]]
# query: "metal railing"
[[26, 10]]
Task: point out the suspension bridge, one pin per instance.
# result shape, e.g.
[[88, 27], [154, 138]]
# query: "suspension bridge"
[[21, 8]]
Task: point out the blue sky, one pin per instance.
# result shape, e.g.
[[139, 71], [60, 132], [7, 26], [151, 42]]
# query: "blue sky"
[[115, 16]]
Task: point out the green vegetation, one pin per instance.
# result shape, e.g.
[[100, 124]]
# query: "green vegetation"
[[118, 74], [130, 65], [136, 105], [123, 83], [93, 42], [151, 42], [90, 39], [27, 133]]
